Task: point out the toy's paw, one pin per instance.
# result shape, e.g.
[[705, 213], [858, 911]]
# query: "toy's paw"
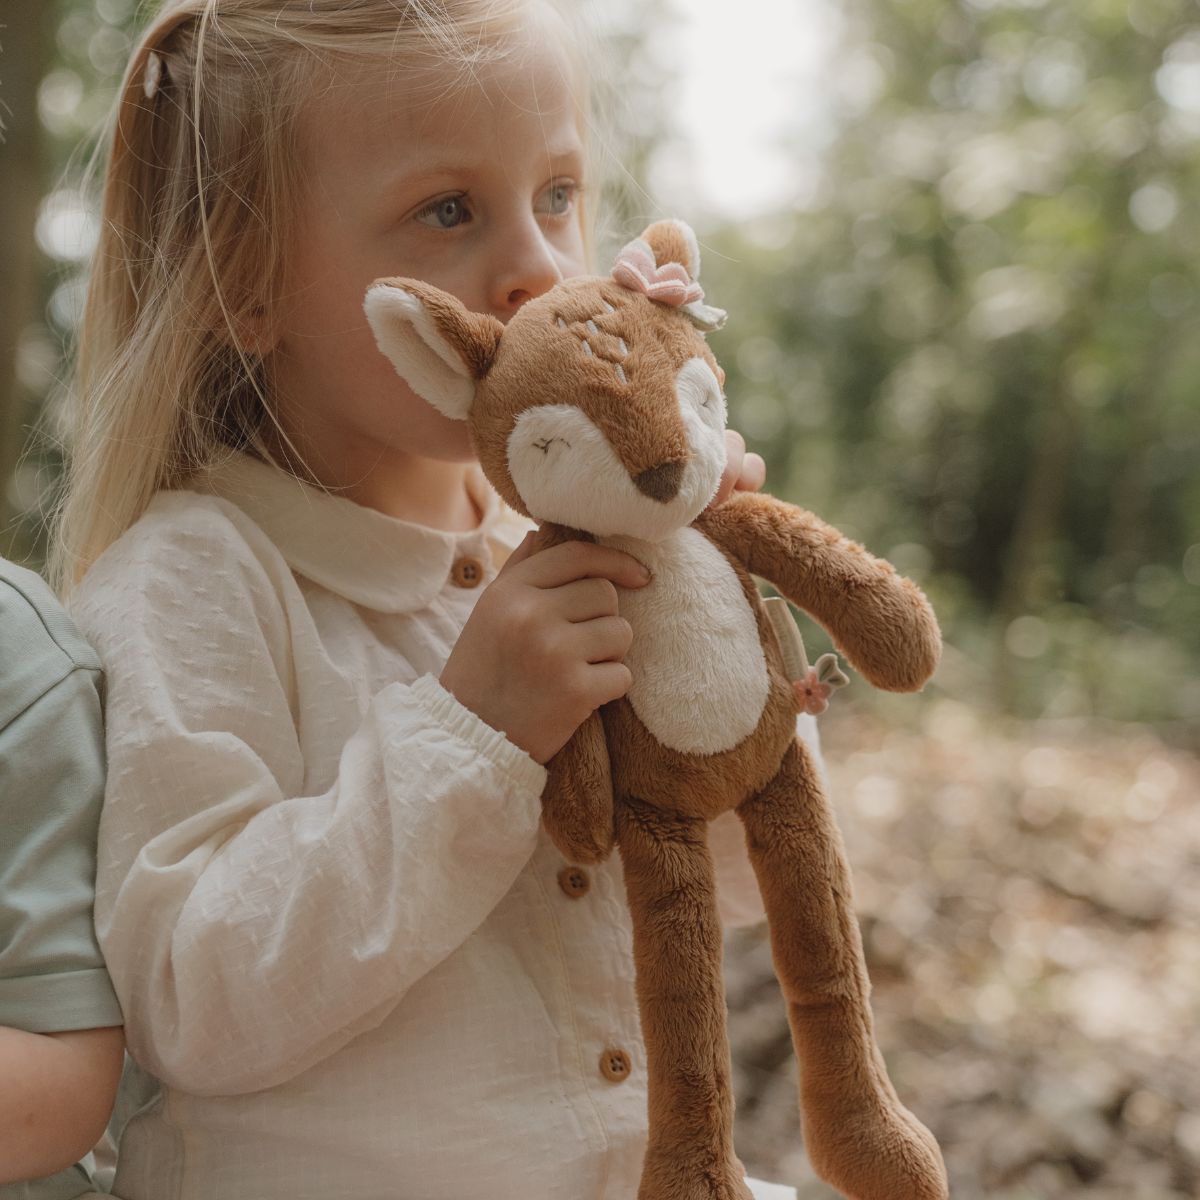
[[671, 1180], [893, 1158], [578, 842]]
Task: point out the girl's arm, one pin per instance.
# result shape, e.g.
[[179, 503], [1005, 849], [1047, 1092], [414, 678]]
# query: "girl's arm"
[[58, 1093], [262, 901]]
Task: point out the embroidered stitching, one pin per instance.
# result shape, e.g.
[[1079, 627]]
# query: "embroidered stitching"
[[581, 329]]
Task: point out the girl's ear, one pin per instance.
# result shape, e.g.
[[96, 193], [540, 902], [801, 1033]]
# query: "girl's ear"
[[438, 346], [255, 333]]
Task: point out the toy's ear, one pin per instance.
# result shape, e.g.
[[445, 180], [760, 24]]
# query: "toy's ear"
[[663, 248], [674, 241], [437, 345]]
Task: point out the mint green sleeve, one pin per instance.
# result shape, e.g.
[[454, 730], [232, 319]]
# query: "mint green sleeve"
[[52, 977]]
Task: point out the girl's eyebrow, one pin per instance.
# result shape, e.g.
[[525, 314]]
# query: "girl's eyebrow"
[[420, 177], [436, 170]]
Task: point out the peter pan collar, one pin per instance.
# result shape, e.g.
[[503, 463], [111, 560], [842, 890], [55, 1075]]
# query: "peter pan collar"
[[373, 560]]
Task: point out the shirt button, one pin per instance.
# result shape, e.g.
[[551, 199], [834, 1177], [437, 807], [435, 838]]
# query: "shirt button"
[[467, 573], [615, 1066], [574, 882]]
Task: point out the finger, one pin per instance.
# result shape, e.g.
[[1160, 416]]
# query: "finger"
[[724, 490], [735, 450], [605, 639], [586, 599], [607, 681], [569, 561], [754, 474]]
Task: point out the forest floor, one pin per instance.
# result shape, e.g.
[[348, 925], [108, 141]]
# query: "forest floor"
[[1029, 896]]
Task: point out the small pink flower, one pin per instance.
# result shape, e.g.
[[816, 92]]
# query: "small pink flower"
[[636, 270], [812, 694]]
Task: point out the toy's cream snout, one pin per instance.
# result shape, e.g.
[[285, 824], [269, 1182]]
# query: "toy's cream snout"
[[565, 459], [599, 406]]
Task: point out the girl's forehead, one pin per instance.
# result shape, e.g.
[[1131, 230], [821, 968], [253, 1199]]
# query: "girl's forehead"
[[385, 106]]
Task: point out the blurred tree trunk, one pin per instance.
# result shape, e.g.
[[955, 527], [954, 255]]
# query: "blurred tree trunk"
[[26, 29], [1041, 501], [1129, 508], [1056, 441]]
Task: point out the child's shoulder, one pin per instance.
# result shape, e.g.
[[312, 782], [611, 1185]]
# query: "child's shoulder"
[[185, 524], [190, 549], [39, 644], [31, 615]]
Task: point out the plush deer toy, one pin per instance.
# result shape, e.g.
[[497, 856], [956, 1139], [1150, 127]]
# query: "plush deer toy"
[[598, 411]]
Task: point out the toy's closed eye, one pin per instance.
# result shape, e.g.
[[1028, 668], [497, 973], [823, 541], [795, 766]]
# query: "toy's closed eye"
[[697, 384]]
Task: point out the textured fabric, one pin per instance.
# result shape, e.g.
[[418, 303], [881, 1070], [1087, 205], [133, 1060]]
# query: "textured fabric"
[[329, 909], [51, 783]]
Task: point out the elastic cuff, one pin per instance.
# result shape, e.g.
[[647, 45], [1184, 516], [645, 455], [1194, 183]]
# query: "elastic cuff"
[[463, 723]]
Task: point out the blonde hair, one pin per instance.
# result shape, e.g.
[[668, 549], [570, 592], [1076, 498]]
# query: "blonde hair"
[[199, 195]]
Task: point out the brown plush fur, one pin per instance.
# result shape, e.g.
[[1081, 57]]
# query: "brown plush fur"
[[615, 781]]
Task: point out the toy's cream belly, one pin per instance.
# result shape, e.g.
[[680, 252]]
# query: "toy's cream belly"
[[699, 675]]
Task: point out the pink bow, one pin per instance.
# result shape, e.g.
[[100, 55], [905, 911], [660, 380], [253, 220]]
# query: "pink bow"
[[636, 270]]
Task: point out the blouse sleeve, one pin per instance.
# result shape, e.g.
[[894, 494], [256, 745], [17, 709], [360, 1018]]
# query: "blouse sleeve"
[[738, 898], [255, 919]]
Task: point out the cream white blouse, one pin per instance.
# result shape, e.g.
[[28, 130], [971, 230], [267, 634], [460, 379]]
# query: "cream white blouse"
[[340, 938]]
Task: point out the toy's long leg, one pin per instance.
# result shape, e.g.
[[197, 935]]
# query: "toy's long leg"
[[677, 948], [858, 1135]]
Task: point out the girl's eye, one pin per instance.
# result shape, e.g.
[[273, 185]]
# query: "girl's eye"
[[446, 213], [558, 198]]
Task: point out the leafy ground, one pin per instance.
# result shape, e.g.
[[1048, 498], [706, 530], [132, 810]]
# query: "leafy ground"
[[1030, 903]]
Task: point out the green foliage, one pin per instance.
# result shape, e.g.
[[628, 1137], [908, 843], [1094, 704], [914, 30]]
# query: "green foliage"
[[973, 349], [976, 351], [87, 55]]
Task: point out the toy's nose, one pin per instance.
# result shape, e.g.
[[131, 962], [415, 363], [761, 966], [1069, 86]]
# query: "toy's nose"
[[661, 482]]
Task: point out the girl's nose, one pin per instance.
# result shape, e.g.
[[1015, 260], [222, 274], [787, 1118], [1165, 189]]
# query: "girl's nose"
[[528, 268]]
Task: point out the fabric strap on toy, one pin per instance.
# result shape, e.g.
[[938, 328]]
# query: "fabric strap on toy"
[[813, 685]]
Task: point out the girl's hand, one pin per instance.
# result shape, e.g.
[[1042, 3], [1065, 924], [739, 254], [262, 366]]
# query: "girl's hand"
[[743, 472], [543, 647]]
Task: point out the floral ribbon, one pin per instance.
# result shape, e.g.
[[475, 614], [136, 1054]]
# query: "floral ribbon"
[[818, 683], [813, 685]]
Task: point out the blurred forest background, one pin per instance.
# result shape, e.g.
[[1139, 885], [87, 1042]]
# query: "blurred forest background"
[[970, 340]]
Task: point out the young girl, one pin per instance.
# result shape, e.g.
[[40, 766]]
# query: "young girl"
[[342, 943]]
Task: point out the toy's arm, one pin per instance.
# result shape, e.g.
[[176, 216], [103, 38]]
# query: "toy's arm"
[[877, 618], [577, 801]]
